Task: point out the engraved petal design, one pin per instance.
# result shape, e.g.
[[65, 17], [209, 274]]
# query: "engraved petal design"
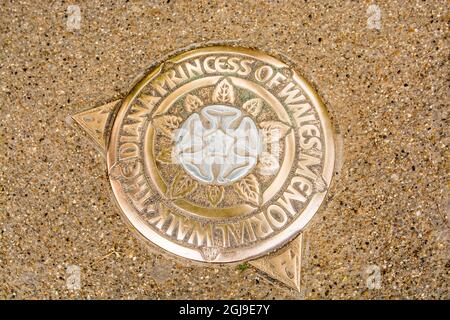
[[268, 164], [320, 184], [167, 124], [248, 189], [192, 103], [273, 131], [215, 194], [224, 92], [253, 106], [210, 253], [165, 156], [219, 145], [182, 186]]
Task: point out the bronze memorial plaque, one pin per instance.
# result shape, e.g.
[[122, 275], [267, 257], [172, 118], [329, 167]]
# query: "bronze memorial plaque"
[[219, 154]]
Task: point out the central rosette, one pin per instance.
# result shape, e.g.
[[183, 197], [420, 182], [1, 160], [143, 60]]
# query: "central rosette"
[[218, 145]]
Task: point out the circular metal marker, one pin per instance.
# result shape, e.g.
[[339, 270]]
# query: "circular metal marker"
[[220, 154]]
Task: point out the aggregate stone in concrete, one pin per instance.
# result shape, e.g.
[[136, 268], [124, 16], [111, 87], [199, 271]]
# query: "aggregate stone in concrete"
[[382, 72]]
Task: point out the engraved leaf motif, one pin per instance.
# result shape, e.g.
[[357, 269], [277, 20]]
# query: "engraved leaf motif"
[[165, 156], [253, 106], [166, 124], [268, 164], [115, 172], [224, 92], [122, 169], [182, 186], [272, 131], [192, 103], [248, 189], [210, 253], [215, 195], [320, 184]]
